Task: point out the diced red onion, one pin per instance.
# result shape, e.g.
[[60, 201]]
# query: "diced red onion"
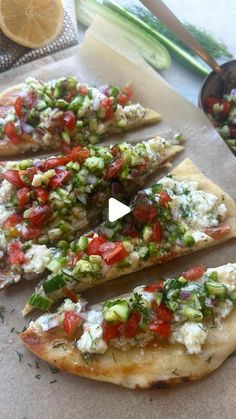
[[61, 167], [26, 128], [105, 89], [185, 295], [38, 165], [233, 92], [210, 302], [82, 198]]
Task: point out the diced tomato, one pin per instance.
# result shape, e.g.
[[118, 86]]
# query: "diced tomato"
[[19, 107], [164, 198], [68, 120], [39, 216], [13, 220], [29, 233], [145, 212], [210, 102], [116, 152], [160, 328], [114, 169], [154, 287], [23, 196], [218, 231], [83, 90], [130, 328], [163, 313], [11, 132], [42, 195], [78, 154], [108, 105], [143, 166], [16, 254], [129, 230], [125, 96], [94, 246], [59, 179], [110, 330], [226, 108], [53, 162], [113, 252], [157, 232], [71, 295], [194, 273], [13, 176], [71, 322]]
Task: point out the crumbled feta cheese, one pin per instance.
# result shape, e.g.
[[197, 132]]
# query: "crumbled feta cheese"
[[38, 257], [91, 341], [192, 335], [4, 213], [155, 146], [48, 321], [134, 259], [6, 191], [222, 310], [226, 275], [3, 241], [197, 208], [199, 237]]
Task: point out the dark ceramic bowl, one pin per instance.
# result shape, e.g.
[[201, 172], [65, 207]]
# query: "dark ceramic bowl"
[[213, 86]]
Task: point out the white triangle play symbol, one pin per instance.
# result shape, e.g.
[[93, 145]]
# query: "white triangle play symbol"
[[116, 210]]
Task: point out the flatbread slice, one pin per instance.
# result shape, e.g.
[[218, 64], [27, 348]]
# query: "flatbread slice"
[[57, 114], [172, 331], [49, 202], [182, 213]]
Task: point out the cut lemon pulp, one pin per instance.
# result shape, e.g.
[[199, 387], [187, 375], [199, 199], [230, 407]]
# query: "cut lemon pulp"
[[31, 23]]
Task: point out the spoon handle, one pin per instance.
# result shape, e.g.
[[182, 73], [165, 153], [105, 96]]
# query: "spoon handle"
[[162, 12]]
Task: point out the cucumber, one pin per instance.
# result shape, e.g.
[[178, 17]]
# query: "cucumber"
[[192, 314], [188, 240], [40, 301], [53, 284], [117, 312], [216, 288], [148, 47], [149, 42], [153, 249]]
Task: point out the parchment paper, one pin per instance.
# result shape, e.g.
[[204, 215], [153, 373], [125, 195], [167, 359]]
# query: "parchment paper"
[[27, 386]]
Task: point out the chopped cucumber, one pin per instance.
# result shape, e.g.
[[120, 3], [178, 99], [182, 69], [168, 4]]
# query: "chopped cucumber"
[[216, 288], [124, 263], [188, 240], [83, 243], [55, 283], [117, 312], [95, 164], [42, 302], [192, 314]]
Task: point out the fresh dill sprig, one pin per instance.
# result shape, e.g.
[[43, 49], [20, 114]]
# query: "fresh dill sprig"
[[138, 305]]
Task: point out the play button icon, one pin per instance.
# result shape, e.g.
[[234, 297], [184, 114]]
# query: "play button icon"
[[116, 210]]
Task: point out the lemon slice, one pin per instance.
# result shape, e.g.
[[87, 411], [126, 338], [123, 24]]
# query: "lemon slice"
[[31, 23]]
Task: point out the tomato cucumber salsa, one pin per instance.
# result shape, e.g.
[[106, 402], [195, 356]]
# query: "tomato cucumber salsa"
[[222, 114], [65, 111], [50, 199], [166, 220], [179, 310]]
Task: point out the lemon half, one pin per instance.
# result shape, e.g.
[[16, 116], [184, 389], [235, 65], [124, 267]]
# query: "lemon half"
[[31, 23]]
